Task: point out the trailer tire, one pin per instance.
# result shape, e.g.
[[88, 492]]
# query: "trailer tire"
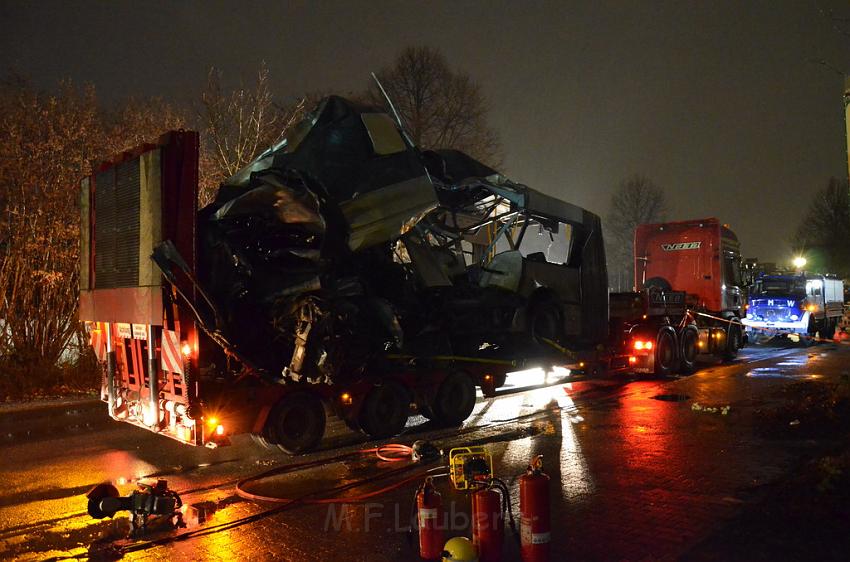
[[733, 341], [688, 350], [665, 353], [454, 400], [262, 441], [829, 329], [385, 410], [296, 424]]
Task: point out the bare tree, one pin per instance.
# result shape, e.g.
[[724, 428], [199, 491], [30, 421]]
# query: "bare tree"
[[637, 201], [441, 108], [138, 121], [46, 143], [238, 125], [824, 233]]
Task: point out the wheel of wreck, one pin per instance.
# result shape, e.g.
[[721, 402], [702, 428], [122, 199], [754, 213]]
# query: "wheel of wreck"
[[384, 411], [296, 424], [545, 323], [454, 400]]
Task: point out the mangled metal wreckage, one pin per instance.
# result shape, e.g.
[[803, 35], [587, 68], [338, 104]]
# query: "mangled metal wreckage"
[[342, 270], [346, 244]]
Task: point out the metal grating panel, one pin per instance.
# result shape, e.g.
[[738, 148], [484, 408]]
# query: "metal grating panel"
[[117, 226]]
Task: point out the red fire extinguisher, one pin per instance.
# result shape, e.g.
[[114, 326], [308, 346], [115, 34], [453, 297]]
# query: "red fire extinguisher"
[[535, 524], [428, 507], [488, 528]]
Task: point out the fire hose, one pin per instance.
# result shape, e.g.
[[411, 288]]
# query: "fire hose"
[[393, 452]]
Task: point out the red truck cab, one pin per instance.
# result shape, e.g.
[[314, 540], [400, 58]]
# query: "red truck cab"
[[700, 257]]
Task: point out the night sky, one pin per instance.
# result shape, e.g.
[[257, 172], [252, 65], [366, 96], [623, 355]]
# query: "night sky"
[[720, 103]]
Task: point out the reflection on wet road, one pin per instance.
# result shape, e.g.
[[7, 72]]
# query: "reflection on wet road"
[[636, 471]]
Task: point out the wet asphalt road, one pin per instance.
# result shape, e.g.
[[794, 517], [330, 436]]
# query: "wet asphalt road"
[[636, 472]]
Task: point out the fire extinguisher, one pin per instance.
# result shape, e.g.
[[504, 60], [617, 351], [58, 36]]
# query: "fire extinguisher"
[[488, 527], [535, 524], [428, 507]]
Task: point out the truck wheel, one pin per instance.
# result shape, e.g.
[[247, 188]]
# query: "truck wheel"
[[384, 411], [665, 353], [297, 423], [733, 342], [688, 350], [829, 329], [455, 399]]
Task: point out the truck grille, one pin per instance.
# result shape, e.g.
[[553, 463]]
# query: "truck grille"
[[775, 315], [117, 226]]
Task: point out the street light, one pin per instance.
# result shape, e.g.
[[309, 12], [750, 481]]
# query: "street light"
[[799, 262]]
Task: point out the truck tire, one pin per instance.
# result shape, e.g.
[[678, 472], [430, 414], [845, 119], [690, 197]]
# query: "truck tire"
[[385, 410], [454, 400], [829, 329], [665, 353], [734, 337], [688, 350], [296, 423]]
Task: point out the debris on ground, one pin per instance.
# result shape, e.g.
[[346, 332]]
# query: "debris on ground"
[[722, 410]]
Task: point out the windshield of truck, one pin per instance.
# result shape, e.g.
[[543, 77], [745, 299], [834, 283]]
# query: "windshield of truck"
[[778, 287]]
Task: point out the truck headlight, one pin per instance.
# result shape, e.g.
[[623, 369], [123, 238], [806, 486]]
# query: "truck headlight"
[[749, 316]]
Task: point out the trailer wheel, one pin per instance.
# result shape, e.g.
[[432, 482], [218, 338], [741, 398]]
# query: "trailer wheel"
[[385, 410], [455, 399], [688, 350], [665, 353], [733, 342], [297, 423], [261, 440]]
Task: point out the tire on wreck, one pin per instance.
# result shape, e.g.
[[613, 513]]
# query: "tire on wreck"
[[454, 400], [296, 424], [385, 410]]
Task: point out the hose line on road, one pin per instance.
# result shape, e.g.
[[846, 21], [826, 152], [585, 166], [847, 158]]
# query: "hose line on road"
[[392, 452], [301, 500]]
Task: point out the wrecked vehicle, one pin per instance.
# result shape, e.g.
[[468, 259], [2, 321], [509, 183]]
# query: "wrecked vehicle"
[[528, 270], [343, 271]]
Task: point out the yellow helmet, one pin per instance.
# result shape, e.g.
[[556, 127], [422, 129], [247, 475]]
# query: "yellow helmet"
[[460, 549]]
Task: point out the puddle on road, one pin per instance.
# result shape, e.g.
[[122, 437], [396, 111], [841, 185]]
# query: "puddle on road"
[[672, 397]]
